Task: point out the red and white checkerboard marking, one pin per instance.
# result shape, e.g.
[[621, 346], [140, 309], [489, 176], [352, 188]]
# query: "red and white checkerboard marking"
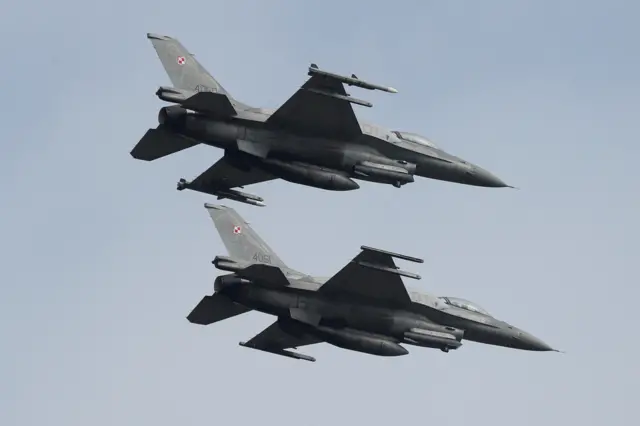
[[181, 60], [237, 230]]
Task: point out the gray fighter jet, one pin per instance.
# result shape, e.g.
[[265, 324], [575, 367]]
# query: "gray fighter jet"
[[365, 307], [313, 139]]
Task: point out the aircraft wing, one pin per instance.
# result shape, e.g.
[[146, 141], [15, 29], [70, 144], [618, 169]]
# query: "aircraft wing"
[[311, 112], [371, 275], [275, 340], [223, 175], [273, 337]]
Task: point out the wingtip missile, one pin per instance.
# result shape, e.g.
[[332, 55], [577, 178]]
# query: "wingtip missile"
[[382, 268], [289, 354], [241, 197], [351, 81], [392, 254], [231, 194]]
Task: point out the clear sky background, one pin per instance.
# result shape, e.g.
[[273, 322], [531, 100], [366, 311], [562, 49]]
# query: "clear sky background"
[[102, 259]]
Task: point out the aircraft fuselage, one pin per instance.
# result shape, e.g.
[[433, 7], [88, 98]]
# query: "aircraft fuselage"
[[361, 323], [377, 155]]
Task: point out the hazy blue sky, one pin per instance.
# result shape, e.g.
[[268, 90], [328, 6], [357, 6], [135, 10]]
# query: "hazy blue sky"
[[102, 258]]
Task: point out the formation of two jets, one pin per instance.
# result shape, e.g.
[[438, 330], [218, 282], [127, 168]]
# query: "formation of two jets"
[[313, 139]]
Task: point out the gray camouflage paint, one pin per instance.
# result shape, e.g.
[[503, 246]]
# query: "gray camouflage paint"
[[313, 139], [359, 308]]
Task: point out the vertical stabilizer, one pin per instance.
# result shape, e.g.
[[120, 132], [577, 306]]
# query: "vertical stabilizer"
[[184, 71], [241, 241]]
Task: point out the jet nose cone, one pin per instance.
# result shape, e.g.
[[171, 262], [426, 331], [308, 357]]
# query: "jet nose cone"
[[532, 343], [481, 177]]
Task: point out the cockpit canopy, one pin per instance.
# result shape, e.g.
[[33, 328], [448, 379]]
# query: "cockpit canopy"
[[415, 138], [464, 304]]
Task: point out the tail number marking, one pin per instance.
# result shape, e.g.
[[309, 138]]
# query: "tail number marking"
[[262, 258]]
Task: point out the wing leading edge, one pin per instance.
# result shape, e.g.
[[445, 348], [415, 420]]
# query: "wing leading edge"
[[220, 178], [224, 175]]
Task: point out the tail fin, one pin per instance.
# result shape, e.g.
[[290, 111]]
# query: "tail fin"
[[241, 241], [183, 69]]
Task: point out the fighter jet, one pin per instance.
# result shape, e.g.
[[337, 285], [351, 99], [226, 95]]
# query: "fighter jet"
[[365, 307], [313, 139]]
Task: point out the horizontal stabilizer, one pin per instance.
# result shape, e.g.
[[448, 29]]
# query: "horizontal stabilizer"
[[210, 103], [158, 143], [215, 308], [265, 275]]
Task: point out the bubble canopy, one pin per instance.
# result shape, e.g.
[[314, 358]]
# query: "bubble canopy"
[[415, 138], [464, 304]]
